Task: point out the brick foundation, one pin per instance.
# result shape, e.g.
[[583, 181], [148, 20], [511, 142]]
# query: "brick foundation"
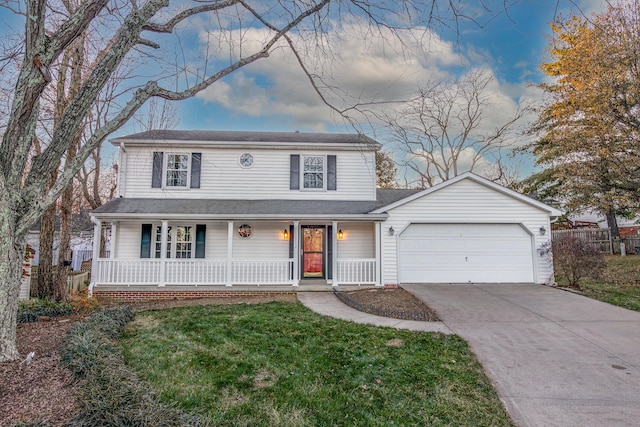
[[133, 296], [391, 285]]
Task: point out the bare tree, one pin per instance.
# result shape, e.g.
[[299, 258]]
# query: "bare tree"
[[446, 130], [133, 30]]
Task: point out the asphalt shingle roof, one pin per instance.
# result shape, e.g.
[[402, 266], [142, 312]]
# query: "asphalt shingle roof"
[[220, 207], [156, 136]]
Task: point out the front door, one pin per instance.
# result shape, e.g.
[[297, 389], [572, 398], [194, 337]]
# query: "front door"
[[313, 251]]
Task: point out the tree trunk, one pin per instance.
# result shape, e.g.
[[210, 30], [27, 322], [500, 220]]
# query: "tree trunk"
[[612, 223], [11, 257], [45, 262], [64, 253]]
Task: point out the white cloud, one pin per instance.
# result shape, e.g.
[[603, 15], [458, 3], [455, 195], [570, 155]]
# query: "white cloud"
[[381, 69]]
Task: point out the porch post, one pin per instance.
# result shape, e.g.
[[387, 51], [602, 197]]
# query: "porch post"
[[95, 262], [163, 251], [334, 252], [229, 253], [296, 253], [114, 233], [378, 253]]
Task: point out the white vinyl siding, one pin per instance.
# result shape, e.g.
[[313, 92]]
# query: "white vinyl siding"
[[466, 202], [266, 242], [358, 241], [222, 177]]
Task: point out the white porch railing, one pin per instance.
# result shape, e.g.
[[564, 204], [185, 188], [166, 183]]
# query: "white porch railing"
[[195, 272], [128, 271], [271, 272], [356, 271], [192, 272]]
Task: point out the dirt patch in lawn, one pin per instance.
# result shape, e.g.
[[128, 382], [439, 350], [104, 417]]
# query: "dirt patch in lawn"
[[396, 303]]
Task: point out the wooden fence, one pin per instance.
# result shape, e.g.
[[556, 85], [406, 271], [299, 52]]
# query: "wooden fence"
[[601, 238]]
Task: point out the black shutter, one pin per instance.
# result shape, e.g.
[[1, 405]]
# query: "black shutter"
[[145, 241], [156, 178], [330, 251], [331, 173], [201, 238], [196, 162], [291, 255], [294, 183]]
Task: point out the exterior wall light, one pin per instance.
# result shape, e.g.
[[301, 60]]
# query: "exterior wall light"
[[340, 234], [391, 230], [285, 234], [543, 231]]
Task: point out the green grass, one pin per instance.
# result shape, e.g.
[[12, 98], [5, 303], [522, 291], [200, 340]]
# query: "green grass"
[[279, 364], [620, 284]]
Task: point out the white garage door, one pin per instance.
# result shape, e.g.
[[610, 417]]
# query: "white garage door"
[[462, 253]]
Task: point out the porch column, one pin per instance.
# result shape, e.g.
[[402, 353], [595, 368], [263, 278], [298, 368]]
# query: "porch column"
[[114, 234], [296, 253], [163, 251], [229, 253], [378, 233], [95, 262], [334, 252]]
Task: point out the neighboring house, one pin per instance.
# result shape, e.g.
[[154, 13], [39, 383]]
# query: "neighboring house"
[[206, 211], [81, 239]]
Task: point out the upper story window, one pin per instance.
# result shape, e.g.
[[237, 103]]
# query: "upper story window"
[[313, 172], [177, 170]]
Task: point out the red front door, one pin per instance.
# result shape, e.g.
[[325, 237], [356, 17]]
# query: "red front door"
[[313, 251]]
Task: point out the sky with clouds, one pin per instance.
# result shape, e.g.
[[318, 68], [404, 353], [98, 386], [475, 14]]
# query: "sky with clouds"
[[273, 94]]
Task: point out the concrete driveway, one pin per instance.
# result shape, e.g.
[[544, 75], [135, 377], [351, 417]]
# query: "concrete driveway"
[[555, 358]]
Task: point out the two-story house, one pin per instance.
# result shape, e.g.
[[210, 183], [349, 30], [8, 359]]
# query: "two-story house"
[[208, 211]]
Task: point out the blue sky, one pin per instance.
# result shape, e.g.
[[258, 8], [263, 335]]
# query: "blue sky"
[[510, 46], [273, 94]]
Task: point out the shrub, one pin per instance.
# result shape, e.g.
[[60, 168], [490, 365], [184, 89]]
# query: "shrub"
[[81, 302], [575, 259], [111, 394], [31, 310]]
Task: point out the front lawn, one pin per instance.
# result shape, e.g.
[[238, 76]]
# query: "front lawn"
[[279, 364], [620, 284]]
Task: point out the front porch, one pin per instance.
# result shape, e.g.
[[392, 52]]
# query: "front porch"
[[232, 253]]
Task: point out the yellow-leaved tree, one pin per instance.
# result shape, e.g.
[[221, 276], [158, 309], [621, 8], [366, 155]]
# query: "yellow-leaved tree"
[[588, 140]]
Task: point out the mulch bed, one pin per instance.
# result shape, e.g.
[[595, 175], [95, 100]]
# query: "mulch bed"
[[395, 303]]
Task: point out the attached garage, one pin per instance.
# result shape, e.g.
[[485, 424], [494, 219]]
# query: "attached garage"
[[462, 253], [466, 230]]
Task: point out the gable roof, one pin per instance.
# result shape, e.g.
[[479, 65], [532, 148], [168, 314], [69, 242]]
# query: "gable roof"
[[227, 138], [250, 209], [553, 212]]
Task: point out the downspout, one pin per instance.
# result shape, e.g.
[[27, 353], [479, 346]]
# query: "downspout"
[[122, 168], [97, 236]]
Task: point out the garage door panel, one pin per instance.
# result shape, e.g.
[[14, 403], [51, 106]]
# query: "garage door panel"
[[461, 253]]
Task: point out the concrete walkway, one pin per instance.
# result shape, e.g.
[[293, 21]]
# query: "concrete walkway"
[[327, 304], [555, 358]]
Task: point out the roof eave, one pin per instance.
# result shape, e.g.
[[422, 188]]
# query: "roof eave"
[[237, 217]]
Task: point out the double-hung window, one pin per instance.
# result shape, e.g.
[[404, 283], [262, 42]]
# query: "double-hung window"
[[177, 170], [179, 241], [313, 172]]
